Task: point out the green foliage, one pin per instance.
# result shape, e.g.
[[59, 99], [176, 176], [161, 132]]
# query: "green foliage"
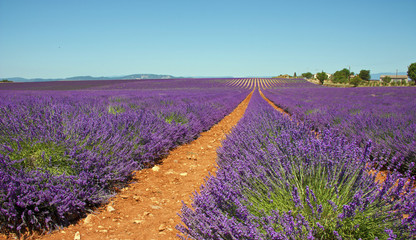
[[307, 75], [166, 102], [341, 76], [356, 81], [411, 72], [115, 109], [175, 117], [46, 156], [312, 111], [354, 111], [7, 81], [386, 79], [365, 75], [322, 76], [329, 197]]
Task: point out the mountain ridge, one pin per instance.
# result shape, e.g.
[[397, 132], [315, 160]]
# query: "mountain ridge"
[[87, 78]]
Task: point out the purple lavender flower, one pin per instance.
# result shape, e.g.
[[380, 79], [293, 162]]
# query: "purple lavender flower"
[[273, 165], [65, 152]]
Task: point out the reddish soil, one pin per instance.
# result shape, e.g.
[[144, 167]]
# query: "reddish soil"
[[148, 208], [274, 105]]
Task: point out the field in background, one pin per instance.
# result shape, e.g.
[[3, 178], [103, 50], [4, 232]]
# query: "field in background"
[[65, 147]]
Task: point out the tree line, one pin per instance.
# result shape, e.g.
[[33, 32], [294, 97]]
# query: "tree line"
[[345, 76]]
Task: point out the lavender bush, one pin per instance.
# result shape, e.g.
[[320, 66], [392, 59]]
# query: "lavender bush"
[[278, 180], [387, 116], [64, 152]]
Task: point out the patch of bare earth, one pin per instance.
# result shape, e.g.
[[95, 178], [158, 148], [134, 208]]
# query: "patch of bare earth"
[[148, 208]]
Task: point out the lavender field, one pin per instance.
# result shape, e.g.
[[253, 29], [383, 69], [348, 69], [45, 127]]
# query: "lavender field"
[[278, 180], [66, 147], [386, 116], [63, 153]]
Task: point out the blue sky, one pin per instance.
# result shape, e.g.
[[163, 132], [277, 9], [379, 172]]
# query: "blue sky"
[[60, 38]]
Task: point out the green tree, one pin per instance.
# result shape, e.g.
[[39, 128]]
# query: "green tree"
[[341, 76], [386, 79], [322, 76], [411, 72], [365, 75], [355, 81], [307, 75]]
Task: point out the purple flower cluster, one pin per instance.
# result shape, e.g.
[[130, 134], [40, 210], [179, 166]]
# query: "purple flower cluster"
[[62, 153], [277, 179], [387, 116]]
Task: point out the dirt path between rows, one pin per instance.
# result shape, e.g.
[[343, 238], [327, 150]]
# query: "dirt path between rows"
[[149, 207], [274, 105]]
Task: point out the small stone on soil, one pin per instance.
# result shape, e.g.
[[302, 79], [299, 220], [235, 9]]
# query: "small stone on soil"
[[77, 236], [162, 227], [170, 171], [156, 168], [87, 220], [183, 174], [110, 209]]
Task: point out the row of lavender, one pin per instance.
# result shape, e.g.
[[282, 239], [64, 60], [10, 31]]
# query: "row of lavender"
[[64, 152], [278, 180], [387, 116]]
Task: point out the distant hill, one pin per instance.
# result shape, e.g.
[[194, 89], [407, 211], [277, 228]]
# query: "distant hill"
[[376, 76], [79, 78]]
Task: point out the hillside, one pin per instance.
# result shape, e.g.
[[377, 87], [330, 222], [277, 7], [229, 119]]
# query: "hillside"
[[87, 78]]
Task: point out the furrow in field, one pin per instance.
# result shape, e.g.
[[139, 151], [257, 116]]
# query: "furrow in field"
[[273, 104], [148, 208]]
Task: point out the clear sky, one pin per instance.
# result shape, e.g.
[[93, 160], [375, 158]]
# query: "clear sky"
[[65, 38]]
